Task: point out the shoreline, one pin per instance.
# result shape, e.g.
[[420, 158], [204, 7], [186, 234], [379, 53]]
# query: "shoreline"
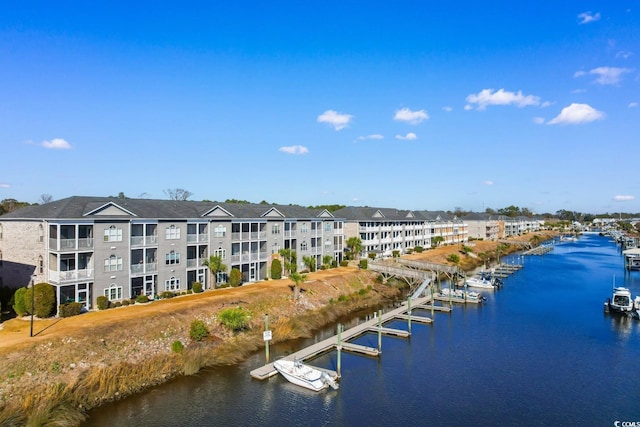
[[85, 362]]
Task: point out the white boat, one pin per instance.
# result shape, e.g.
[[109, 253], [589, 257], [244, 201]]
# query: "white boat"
[[476, 282], [620, 301], [303, 375], [471, 296]]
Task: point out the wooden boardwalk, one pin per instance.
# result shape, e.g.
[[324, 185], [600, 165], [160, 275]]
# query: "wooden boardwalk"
[[371, 325]]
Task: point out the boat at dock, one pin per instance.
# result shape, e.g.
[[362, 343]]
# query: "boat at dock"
[[478, 282], [620, 301], [459, 294], [304, 375]]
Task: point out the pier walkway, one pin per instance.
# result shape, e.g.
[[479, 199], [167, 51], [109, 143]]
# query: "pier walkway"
[[371, 325]]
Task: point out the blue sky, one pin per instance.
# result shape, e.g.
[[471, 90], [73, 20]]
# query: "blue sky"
[[408, 104]]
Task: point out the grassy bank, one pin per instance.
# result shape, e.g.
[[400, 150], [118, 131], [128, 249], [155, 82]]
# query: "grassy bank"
[[56, 380]]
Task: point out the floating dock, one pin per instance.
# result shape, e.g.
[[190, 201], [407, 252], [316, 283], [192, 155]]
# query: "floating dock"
[[371, 325]]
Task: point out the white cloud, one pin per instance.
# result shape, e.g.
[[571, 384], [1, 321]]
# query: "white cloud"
[[56, 144], [624, 54], [294, 149], [633, 104], [576, 91], [4, 185], [412, 117], [623, 198], [468, 107], [538, 120], [576, 114], [487, 182], [447, 109], [586, 17], [333, 118], [606, 75], [408, 137], [373, 136], [546, 104], [488, 97]]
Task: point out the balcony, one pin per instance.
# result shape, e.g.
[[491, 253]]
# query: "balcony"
[[197, 238], [195, 262], [149, 267], [71, 275]]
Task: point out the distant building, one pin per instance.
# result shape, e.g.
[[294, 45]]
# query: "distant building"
[[121, 248], [483, 226], [384, 230]]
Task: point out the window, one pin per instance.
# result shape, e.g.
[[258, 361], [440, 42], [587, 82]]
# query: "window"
[[220, 231], [220, 253], [172, 284], [113, 263], [0, 231], [172, 232], [113, 292], [113, 234], [304, 227], [328, 226], [328, 242], [40, 264], [0, 258], [276, 248], [275, 228], [303, 246], [40, 233], [172, 258]]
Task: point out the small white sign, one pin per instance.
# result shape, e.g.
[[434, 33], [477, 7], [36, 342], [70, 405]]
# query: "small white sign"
[[266, 335]]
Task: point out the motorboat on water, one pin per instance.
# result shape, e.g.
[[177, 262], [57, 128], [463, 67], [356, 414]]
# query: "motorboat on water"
[[471, 296], [304, 375], [478, 282], [620, 301]]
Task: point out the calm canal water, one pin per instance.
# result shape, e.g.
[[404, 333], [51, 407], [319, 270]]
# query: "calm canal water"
[[540, 351]]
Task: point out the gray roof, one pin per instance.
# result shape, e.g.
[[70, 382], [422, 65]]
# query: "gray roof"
[[80, 207], [360, 213]]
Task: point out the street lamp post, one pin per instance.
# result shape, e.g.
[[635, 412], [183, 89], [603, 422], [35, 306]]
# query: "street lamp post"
[[33, 303]]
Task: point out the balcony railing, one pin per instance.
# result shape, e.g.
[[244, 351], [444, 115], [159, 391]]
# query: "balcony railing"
[[149, 267], [196, 238], [71, 275]]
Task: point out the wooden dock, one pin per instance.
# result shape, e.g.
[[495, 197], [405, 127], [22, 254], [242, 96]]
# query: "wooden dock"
[[371, 325]]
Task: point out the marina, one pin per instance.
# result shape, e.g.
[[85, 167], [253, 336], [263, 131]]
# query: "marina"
[[459, 361]]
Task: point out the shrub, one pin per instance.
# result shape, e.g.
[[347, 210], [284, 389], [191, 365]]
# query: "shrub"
[[190, 291], [177, 346], [276, 269], [197, 287], [142, 298], [70, 309], [117, 304], [364, 264], [198, 330], [396, 254], [44, 299], [167, 294], [102, 302], [454, 258], [19, 303], [409, 251], [419, 249], [344, 263], [371, 255], [235, 319], [235, 277], [126, 303]]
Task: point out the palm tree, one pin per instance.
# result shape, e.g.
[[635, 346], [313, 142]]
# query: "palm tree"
[[310, 262], [288, 259], [327, 260], [355, 246], [215, 265], [297, 280]]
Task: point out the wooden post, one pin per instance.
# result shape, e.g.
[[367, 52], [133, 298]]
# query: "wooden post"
[[433, 302], [379, 331], [339, 348], [266, 342], [409, 314]]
